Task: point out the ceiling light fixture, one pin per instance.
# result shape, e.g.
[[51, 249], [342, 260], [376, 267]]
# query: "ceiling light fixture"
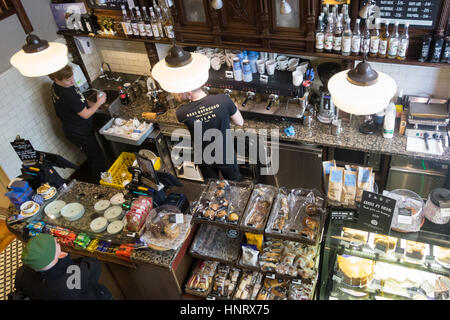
[[362, 90], [37, 57], [285, 7], [181, 71]]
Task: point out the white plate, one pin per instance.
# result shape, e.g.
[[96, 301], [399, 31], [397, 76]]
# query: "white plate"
[[115, 227], [72, 211], [113, 213], [53, 209], [117, 199], [99, 224], [101, 205], [30, 214]]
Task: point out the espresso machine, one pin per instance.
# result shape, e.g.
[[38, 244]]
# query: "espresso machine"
[[327, 111]]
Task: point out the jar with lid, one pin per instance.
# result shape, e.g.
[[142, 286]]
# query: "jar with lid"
[[437, 208]]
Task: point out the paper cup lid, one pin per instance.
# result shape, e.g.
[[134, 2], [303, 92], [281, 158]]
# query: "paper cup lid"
[[102, 205], [99, 224], [115, 227], [113, 213], [118, 198], [72, 211], [53, 209]]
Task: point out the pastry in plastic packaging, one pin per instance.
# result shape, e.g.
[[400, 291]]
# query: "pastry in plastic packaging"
[[225, 281], [202, 276], [166, 228], [249, 256], [259, 205], [408, 213], [274, 289], [249, 285]]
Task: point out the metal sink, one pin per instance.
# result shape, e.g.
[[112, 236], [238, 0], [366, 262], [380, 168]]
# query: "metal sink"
[[112, 104]]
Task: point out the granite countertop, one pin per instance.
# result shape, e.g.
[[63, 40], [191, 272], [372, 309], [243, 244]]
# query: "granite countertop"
[[318, 133], [88, 194]]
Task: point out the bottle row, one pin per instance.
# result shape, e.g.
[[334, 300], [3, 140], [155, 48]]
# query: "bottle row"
[[136, 22], [334, 38]]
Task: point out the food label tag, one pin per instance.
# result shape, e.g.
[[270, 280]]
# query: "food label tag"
[[296, 281], [404, 216], [337, 279], [270, 276], [210, 298], [176, 218], [131, 235], [229, 75], [345, 244], [232, 234]]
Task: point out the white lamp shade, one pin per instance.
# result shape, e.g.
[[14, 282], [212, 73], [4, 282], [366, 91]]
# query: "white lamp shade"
[[285, 7], [361, 100], [41, 63], [182, 79]]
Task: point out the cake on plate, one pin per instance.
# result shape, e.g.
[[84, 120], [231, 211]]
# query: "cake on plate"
[[356, 271]]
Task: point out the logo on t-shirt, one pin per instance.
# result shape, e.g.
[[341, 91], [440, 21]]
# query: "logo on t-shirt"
[[203, 114]]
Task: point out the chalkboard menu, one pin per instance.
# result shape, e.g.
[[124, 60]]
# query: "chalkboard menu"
[[419, 13], [375, 213], [24, 150]]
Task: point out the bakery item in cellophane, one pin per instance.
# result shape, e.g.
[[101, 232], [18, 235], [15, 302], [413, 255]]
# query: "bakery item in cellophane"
[[201, 279], [258, 208]]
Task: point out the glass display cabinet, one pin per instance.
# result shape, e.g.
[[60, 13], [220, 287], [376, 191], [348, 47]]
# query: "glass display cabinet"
[[360, 265]]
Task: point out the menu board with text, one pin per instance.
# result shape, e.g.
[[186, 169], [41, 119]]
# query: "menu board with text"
[[419, 13]]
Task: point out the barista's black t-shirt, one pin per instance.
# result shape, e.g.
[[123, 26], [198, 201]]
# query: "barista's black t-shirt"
[[68, 102], [213, 111]]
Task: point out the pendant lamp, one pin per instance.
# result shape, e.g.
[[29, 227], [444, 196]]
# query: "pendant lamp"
[[217, 4], [37, 57], [181, 71], [362, 91]]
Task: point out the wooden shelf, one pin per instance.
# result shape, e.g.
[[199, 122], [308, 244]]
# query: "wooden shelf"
[[116, 37], [408, 61]]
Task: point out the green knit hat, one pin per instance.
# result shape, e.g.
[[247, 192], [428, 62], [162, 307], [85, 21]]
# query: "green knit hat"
[[39, 251]]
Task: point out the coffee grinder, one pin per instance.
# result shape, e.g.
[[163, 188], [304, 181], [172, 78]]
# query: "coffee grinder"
[[327, 110]]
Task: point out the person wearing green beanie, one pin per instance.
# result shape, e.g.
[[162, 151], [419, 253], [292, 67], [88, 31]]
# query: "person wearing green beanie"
[[50, 274]]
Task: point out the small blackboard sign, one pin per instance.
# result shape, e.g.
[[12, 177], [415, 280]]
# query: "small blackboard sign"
[[375, 213], [419, 13], [24, 150]]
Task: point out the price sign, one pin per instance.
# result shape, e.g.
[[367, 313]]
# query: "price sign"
[[375, 213], [419, 13], [24, 149]]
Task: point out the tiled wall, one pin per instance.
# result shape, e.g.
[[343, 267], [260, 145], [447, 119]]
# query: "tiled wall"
[[27, 110], [122, 56], [418, 79]]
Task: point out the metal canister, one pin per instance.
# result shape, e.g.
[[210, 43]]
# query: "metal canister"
[[236, 64], [247, 71], [130, 92]]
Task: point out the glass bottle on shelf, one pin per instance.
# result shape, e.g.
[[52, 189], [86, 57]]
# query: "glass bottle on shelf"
[[337, 38], [334, 14], [168, 24], [329, 35], [134, 24], [126, 22], [375, 39], [147, 24], [393, 42], [365, 40], [154, 23], [320, 35], [356, 39], [384, 39], [141, 24], [403, 43], [347, 39], [160, 23], [326, 12]]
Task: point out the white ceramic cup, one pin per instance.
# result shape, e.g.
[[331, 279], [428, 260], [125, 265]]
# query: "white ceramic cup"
[[297, 78], [28, 207], [261, 66], [270, 67]]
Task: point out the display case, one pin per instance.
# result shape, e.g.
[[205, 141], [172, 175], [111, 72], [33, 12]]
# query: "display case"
[[360, 265]]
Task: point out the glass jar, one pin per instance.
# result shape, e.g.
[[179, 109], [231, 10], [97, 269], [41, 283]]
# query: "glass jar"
[[433, 210]]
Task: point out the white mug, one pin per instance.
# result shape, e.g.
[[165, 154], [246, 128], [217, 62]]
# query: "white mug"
[[261, 66], [297, 78], [270, 67]]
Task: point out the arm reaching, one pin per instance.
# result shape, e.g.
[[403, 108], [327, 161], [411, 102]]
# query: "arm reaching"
[[237, 119]]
